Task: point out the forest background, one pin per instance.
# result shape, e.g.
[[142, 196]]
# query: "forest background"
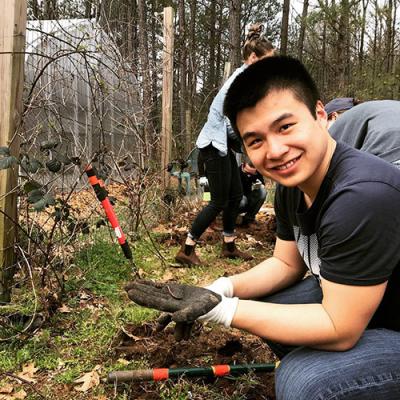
[[350, 46]]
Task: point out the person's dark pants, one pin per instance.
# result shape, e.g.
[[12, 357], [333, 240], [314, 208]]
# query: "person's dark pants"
[[368, 371], [225, 192], [251, 203]]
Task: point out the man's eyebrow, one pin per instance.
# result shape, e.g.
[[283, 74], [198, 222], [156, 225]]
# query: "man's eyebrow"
[[281, 118], [247, 135]]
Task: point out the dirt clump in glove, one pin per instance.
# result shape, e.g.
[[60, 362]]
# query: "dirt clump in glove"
[[186, 303]]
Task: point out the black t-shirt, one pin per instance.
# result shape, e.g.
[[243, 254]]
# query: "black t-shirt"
[[351, 233]]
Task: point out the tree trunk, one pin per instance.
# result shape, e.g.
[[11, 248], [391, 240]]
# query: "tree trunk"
[[211, 81], [342, 45], [234, 32], [50, 9], [33, 5], [153, 68], [145, 73], [183, 75], [389, 36], [302, 30], [393, 56], [285, 27], [362, 35], [325, 73], [219, 63], [191, 67], [375, 46], [88, 8]]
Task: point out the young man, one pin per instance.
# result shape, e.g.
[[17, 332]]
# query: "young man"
[[337, 330]]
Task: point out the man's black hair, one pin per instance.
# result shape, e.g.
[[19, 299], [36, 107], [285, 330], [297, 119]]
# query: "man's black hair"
[[265, 75]]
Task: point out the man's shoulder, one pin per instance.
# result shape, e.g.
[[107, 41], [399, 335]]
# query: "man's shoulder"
[[351, 166]]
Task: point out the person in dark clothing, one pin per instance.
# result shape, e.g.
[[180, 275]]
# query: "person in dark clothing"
[[254, 193], [373, 126], [217, 143]]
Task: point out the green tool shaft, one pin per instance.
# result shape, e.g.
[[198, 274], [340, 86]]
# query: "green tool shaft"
[[159, 374]]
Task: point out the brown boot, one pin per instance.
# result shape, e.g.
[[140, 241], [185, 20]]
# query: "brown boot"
[[229, 250], [187, 255]]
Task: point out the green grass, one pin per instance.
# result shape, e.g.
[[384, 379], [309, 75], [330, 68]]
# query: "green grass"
[[73, 343], [102, 268]]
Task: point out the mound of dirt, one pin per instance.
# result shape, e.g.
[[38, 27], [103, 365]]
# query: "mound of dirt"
[[207, 346]]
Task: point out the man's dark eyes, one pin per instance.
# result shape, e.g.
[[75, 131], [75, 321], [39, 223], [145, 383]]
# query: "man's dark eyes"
[[254, 141], [285, 127]]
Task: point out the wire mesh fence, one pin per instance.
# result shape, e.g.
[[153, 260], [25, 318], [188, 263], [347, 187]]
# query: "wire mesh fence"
[[80, 91]]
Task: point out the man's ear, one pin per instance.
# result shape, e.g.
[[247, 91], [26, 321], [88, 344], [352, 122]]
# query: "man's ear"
[[321, 114]]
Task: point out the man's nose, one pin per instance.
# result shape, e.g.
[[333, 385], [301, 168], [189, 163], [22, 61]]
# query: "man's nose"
[[276, 148]]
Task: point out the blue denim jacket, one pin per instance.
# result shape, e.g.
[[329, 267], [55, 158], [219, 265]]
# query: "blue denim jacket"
[[217, 128]]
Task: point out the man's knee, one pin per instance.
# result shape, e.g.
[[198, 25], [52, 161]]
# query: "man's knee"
[[299, 377], [243, 204], [263, 193]]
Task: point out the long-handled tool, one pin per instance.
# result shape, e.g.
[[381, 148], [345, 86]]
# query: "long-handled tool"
[[102, 196], [160, 374]]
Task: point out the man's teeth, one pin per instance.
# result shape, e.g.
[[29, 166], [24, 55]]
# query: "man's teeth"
[[287, 165]]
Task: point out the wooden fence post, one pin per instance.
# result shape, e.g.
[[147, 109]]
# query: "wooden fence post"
[[166, 126], [12, 44]]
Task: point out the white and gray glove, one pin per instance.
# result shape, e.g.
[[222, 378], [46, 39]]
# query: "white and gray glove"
[[223, 312], [222, 286]]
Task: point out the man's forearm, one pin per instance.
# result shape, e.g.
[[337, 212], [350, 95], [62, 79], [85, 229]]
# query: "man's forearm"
[[294, 324], [265, 278]]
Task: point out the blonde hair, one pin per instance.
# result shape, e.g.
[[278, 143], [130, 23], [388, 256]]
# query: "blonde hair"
[[256, 42]]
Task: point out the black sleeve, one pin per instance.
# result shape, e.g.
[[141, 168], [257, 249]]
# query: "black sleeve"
[[358, 234], [282, 205], [200, 164]]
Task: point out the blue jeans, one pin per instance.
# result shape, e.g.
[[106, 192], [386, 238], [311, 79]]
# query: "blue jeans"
[[368, 371], [225, 190], [251, 203]]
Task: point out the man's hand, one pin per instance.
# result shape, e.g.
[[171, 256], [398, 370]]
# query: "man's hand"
[[185, 303]]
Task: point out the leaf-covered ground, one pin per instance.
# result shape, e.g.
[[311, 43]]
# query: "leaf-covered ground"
[[97, 330]]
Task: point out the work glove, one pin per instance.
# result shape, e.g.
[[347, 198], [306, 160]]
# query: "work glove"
[[185, 303], [222, 286], [203, 181]]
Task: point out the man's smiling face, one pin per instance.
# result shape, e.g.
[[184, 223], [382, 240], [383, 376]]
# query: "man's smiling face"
[[284, 141]]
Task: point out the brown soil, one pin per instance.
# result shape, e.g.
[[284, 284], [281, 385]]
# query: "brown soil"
[[208, 345]]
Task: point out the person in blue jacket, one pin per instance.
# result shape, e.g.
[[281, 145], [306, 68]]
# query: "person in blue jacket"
[[217, 142]]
